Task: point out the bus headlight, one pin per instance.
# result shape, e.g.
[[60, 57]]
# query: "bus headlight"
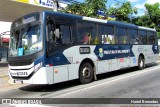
[[37, 67]]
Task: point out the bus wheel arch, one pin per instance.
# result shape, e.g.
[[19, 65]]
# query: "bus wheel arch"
[[87, 71], [141, 61]]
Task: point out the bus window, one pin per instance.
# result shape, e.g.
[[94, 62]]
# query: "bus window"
[[65, 33], [151, 38], [121, 33], [61, 35], [50, 33], [86, 33], [96, 38], [107, 34], [143, 37], [132, 36]]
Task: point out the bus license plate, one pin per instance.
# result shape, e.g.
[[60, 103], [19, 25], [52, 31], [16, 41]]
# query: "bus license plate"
[[20, 73]]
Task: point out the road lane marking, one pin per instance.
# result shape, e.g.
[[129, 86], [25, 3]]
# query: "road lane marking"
[[100, 84]]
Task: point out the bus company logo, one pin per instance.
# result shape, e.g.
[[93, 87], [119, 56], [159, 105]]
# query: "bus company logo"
[[101, 53], [46, 3]]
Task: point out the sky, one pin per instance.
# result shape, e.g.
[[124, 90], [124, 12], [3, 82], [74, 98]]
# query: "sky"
[[135, 3]]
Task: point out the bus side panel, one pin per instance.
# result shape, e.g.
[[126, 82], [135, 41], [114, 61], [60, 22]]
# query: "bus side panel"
[[73, 71], [103, 66], [43, 76], [123, 62], [147, 51], [60, 74], [114, 65]]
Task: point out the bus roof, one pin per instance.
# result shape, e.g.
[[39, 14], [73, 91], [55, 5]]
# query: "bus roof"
[[115, 23]]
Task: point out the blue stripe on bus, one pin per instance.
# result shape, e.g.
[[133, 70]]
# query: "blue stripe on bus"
[[105, 52], [39, 60], [57, 59]]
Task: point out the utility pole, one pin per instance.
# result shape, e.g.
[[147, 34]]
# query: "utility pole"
[[55, 5]]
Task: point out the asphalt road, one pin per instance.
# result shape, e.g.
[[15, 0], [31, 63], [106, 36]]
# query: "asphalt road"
[[129, 83]]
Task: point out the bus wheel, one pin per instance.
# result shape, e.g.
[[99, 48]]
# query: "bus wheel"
[[86, 73], [141, 63]]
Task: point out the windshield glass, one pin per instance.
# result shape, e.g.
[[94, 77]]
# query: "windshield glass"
[[25, 41]]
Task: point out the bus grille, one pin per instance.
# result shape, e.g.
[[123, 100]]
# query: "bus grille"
[[20, 63]]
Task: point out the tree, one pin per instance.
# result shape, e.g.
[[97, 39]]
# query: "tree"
[[153, 11], [122, 11], [142, 21], [95, 5], [151, 18], [88, 8], [76, 8]]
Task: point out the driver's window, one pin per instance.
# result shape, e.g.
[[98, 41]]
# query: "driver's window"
[[63, 34], [57, 34], [66, 34], [50, 33]]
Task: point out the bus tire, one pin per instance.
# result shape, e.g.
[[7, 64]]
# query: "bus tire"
[[141, 63], [86, 73]]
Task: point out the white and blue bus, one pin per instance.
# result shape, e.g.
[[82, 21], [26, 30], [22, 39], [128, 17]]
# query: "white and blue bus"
[[50, 47]]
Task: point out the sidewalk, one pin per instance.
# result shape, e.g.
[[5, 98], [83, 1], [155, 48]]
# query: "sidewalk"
[[4, 77]]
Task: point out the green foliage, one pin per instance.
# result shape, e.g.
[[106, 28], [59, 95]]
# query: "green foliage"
[[153, 11], [158, 35], [95, 5], [88, 8], [142, 21], [122, 11], [151, 18]]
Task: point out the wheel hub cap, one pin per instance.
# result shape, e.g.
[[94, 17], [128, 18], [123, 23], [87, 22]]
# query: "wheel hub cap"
[[86, 72]]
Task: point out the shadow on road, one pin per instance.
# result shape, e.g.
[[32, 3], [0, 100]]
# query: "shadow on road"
[[73, 83]]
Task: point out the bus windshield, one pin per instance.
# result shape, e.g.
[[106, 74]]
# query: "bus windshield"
[[25, 41]]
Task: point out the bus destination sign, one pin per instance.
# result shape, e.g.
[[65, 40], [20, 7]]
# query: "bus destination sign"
[[27, 19]]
